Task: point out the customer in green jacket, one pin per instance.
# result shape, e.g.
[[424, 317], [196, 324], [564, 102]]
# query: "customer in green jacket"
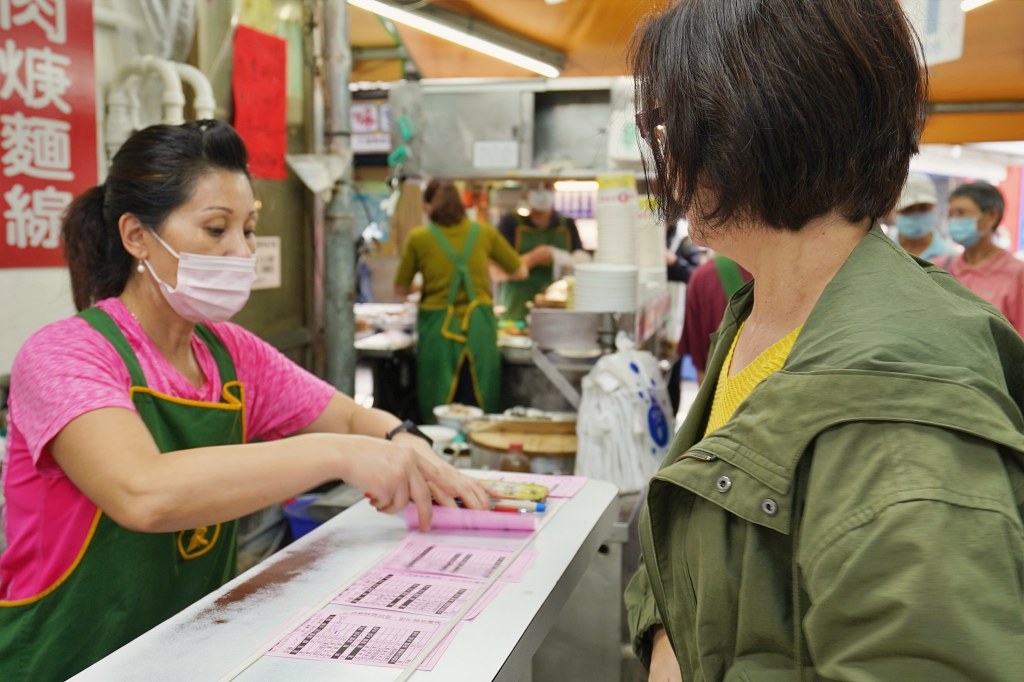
[[843, 501]]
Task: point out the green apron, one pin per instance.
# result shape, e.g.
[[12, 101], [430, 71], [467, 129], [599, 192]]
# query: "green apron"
[[123, 582], [515, 295], [447, 340]]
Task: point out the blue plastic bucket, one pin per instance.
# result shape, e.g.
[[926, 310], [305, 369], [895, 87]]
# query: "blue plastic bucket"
[[298, 520]]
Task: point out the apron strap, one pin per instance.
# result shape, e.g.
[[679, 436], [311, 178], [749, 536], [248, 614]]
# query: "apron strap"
[[729, 274], [225, 365], [462, 278], [99, 320]]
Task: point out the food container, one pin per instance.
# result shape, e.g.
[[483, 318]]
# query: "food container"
[[456, 415], [550, 445], [441, 435]]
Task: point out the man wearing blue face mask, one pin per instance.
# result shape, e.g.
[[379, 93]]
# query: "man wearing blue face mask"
[[975, 210], [915, 222]]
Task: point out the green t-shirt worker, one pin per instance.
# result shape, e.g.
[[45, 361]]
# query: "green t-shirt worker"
[[536, 237]]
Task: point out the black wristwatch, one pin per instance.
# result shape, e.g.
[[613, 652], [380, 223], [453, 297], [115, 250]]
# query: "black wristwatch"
[[408, 426]]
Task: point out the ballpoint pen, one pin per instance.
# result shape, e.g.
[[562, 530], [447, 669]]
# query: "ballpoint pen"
[[523, 505], [508, 504]]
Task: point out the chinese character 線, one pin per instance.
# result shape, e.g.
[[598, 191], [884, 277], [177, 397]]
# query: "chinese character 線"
[[33, 220]]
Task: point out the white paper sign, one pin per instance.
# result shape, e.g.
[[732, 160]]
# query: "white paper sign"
[[268, 263]]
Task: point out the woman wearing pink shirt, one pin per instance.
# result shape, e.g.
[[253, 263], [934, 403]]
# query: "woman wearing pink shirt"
[[129, 455], [975, 210]]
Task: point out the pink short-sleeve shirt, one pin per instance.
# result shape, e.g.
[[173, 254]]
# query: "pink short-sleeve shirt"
[[999, 280], [67, 369]]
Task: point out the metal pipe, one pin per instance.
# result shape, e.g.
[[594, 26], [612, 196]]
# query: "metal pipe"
[[123, 104], [317, 142], [202, 99], [340, 252]]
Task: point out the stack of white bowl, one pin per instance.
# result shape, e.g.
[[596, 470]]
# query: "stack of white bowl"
[[606, 288]]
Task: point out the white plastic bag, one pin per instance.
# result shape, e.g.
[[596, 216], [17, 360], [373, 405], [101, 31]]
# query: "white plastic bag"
[[623, 425]]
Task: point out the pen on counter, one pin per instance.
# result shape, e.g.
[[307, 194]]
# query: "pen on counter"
[[507, 505], [503, 504]]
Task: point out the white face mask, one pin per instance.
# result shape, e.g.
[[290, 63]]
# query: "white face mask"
[[210, 288], [540, 199]]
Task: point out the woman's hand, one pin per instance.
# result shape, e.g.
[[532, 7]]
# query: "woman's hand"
[[664, 665], [392, 476], [445, 481]]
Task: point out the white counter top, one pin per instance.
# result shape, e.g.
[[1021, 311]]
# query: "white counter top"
[[222, 636]]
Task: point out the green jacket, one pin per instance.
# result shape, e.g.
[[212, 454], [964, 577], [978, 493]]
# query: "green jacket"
[[873, 486]]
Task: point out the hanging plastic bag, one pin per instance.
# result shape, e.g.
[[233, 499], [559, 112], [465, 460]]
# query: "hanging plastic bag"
[[623, 425]]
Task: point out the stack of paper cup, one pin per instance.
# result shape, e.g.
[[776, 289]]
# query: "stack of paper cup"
[[615, 210], [606, 288], [616, 241], [650, 238]]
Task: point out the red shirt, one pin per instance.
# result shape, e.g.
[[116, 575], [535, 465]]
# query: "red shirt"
[[705, 306]]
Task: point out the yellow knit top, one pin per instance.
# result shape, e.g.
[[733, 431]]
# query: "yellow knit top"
[[730, 391]]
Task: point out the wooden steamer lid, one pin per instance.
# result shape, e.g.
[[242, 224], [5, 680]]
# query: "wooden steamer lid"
[[538, 438]]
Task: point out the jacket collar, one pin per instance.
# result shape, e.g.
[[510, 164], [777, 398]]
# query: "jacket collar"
[[850, 364]]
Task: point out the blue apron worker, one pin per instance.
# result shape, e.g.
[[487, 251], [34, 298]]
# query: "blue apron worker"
[[128, 460], [457, 356], [538, 237]]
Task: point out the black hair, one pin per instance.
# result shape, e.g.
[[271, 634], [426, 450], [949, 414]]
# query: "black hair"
[[986, 196], [779, 111], [152, 174]]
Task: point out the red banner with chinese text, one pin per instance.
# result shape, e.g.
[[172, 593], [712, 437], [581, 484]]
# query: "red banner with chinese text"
[[258, 83], [47, 124]]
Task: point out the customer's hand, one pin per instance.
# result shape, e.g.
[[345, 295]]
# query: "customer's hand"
[[664, 665], [444, 481]]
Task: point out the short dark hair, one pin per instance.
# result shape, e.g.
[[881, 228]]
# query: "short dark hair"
[[785, 110], [445, 203], [984, 195]]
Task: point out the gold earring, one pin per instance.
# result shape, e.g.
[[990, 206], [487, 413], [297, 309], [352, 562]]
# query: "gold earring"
[[140, 268]]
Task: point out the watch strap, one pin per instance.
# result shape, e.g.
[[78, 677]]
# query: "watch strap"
[[409, 426]]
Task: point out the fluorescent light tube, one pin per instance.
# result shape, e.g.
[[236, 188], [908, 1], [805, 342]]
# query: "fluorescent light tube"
[[436, 28]]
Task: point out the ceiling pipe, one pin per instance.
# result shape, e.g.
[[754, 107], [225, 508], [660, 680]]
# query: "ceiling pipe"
[[173, 97], [203, 100]]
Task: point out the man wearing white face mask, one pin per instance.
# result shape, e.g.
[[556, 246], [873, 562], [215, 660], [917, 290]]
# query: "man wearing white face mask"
[[540, 238], [131, 450], [975, 210], [915, 222]]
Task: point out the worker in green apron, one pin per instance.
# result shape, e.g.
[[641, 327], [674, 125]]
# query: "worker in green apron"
[[76, 623], [533, 237], [126, 459], [458, 346], [457, 355]]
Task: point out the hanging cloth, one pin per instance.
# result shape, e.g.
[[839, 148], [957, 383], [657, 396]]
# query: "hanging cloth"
[[123, 582], [448, 340]]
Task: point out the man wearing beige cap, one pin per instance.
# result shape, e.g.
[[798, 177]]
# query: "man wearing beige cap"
[[915, 222]]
